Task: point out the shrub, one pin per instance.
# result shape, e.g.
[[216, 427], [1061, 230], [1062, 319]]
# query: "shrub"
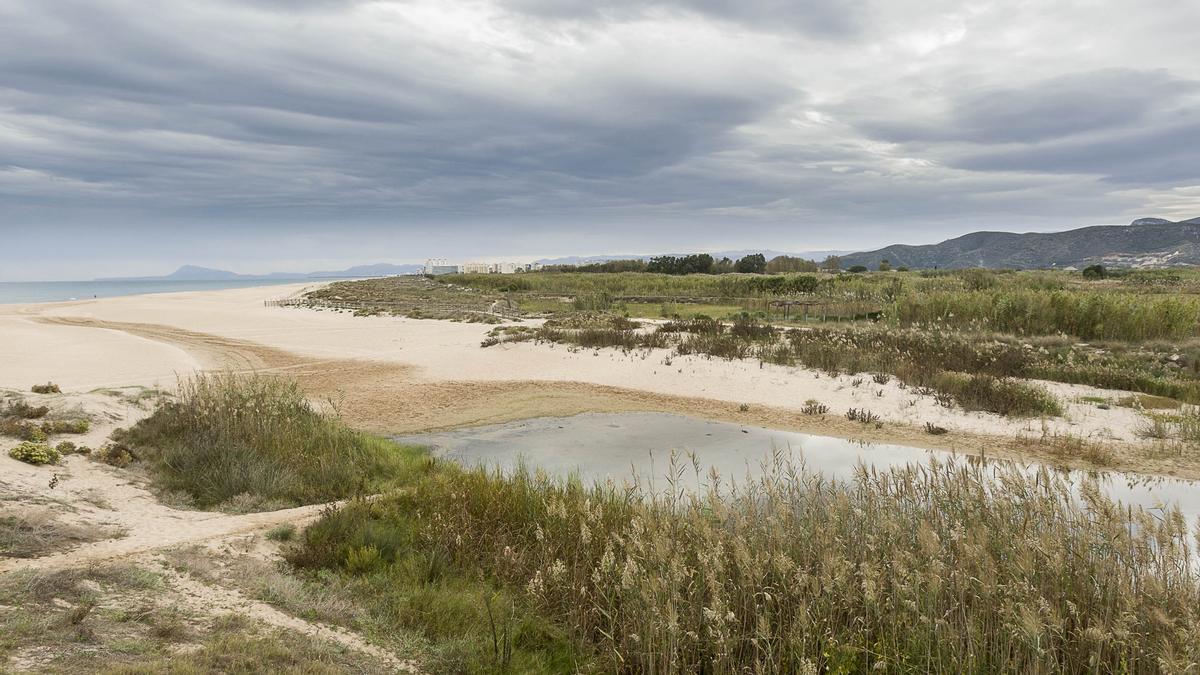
[[285, 532], [363, 559], [115, 454], [28, 412], [65, 448], [865, 416], [256, 438], [814, 407], [79, 426], [1002, 396], [35, 453], [22, 429], [1093, 272], [48, 388]]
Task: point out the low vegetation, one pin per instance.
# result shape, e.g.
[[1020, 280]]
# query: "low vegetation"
[[961, 567], [37, 423], [35, 453], [252, 443], [120, 620], [936, 363], [32, 531], [955, 567]]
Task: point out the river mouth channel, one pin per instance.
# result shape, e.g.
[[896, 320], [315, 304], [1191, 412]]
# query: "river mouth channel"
[[638, 445]]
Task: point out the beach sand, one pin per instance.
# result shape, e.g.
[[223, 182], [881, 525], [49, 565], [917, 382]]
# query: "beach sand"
[[397, 375]]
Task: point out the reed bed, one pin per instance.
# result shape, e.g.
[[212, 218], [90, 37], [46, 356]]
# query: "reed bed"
[[956, 567]]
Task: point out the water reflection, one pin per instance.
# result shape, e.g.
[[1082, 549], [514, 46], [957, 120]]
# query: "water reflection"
[[620, 446]]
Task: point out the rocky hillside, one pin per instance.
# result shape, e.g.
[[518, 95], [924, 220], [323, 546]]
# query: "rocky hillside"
[[1146, 242]]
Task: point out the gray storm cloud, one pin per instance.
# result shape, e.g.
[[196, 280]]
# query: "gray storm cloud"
[[513, 126]]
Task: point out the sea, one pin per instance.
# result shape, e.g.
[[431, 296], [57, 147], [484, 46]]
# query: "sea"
[[19, 292]]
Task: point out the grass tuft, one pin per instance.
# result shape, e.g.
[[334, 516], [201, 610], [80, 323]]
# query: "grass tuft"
[[253, 442]]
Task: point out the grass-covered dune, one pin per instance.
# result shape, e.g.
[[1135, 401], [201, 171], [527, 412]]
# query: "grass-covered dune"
[[957, 568], [255, 442]]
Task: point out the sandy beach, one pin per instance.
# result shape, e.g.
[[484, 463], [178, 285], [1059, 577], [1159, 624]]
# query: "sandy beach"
[[398, 375]]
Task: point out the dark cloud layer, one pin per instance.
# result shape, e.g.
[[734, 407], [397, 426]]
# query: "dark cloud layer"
[[525, 126]]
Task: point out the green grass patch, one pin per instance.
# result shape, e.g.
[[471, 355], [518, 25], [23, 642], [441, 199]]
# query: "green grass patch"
[[254, 442]]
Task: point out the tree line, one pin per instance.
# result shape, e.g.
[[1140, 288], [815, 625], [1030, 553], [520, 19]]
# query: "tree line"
[[703, 263]]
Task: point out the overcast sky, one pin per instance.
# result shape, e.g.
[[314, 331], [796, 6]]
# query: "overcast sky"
[[264, 135]]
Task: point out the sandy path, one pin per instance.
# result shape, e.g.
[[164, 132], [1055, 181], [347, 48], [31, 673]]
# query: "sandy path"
[[151, 527], [209, 599], [127, 505]]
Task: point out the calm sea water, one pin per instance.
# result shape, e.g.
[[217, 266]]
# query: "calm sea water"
[[54, 291]]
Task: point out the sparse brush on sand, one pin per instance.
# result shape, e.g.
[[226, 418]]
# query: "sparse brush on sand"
[[957, 567]]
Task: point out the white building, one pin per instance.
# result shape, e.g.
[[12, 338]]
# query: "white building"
[[440, 266]]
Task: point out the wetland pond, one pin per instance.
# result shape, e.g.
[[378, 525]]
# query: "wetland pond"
[[622, 446]]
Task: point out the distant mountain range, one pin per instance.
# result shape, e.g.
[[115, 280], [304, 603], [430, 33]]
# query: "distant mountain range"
[[194, 273], [1146, 242]]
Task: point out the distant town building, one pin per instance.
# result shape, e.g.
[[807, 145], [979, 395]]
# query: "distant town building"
[[440, 266]]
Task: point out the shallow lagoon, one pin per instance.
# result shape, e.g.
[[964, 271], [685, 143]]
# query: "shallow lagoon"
[[623, 445]]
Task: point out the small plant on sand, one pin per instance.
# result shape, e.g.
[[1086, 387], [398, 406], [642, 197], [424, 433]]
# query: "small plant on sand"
[[24, 411], [934, 430], [285, 532], [114, 454], [1154, 426], [814, 407], [35, 453], [76, 426], [48, 388], [865, 416]]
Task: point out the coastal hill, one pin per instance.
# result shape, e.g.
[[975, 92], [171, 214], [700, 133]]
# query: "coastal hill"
[[195, 273], [1146, 242]]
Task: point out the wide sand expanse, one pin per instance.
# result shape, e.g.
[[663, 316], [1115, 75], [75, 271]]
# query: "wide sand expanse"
[[390, 374]]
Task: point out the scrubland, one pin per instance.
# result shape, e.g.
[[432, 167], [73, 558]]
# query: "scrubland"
[[962, 566]]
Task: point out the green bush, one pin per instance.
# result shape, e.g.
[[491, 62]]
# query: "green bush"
[[1002, 396], [65, 448], [257, 439], [79, 426], [35, 453], [115, 454], [285, 532]]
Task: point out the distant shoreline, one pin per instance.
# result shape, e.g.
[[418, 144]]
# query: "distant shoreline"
[[26, 292]]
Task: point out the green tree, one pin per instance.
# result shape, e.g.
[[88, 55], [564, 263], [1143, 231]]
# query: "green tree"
[[786, 263], [752, 264], [1094, 272], [885, 266]]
